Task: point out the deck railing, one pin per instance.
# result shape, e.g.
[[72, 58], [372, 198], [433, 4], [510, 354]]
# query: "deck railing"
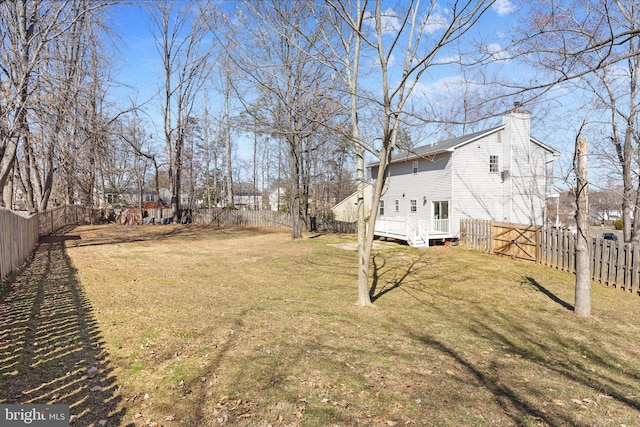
[[442, 226], [411, 229]]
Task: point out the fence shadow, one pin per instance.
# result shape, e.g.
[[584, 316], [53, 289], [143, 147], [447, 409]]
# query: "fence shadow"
[[51, 350]]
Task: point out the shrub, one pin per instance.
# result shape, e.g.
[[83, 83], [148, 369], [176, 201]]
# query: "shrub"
[[617, 224]]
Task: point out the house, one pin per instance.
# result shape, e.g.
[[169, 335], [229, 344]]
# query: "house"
[[127, 197], [346, 210], [501, 174], [278, 200], [246, 196]]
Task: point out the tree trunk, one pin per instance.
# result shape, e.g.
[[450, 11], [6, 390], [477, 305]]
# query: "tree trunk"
[[583, 274], [364, 250], [227, 142], [294, 158], [177, 178]]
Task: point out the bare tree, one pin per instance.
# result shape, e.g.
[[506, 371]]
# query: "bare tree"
[[594, 44], [209, 151], [276, 55], [33, 28], [417, 33], [583, 272], [181, 39]]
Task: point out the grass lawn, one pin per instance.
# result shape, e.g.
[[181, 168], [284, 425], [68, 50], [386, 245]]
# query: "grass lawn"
[[208, 327]]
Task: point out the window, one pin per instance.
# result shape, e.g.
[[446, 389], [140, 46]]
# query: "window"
[[441, 216], [397, 203], [441, 209], [494, 164], [415, 167], [414, 206], [381, 208]]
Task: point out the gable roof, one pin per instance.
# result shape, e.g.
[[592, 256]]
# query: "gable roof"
[[449, 145]]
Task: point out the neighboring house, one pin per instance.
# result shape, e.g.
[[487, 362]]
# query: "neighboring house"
[[347, 211], [278, 199], [501, 174], [246, 196], [128, 197]]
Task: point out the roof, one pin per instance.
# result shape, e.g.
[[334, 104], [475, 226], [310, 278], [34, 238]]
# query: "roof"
[[448, 145]]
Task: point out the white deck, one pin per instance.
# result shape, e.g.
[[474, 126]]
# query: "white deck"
[[416, 232]]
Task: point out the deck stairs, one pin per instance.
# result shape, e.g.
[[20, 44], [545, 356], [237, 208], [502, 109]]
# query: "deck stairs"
[[416, 232]]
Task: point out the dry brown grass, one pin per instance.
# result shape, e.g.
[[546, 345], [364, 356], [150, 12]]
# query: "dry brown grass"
[[207, 327]]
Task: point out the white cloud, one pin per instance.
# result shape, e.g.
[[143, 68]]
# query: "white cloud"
[[374, 62], [497, 53], [504, 7], [389, 21], [435, 22], [444, 88], [453, 59]]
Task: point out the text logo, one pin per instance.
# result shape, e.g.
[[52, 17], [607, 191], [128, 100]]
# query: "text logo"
[[34, 415]]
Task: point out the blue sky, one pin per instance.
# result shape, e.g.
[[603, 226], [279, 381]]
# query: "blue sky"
[[139, 64]]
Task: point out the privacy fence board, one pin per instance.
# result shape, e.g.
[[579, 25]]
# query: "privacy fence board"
[[18, 237], [19, 234], [613, 263], [515, 240], [242, 218], [476, 234], [264, 218]]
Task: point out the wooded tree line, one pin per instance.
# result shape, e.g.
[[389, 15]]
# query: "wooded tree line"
[[316, 86]]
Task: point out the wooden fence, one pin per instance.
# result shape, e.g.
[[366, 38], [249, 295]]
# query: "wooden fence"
[[613, 263], [242, 218], [61, 216], [18, 237], [338, 227], [259, 218], [19, 234]]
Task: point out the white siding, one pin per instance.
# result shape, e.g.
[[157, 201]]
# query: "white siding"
[[432, 182], [515, 193], [528, 172], [478, 193], [347, 210]]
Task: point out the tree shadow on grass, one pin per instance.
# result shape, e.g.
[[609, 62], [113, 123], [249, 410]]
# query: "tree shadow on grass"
[[533, 282], [552, 356], [404, 274], [49, 341]]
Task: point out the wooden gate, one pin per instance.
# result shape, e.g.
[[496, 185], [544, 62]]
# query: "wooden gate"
[[515, 240]]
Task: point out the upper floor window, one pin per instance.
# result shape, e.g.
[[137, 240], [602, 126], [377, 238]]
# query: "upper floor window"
[[381, 208], [414, 206], [494, 163], [397, 205], [415, 167]]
